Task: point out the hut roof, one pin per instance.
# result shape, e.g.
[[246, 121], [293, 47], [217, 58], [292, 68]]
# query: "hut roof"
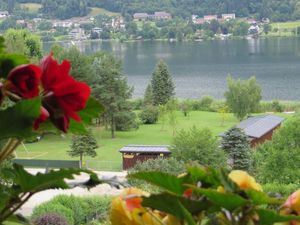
[[145, 149], [258, 126]]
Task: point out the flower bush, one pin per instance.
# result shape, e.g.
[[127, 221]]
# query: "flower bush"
[[36, 98], [203, 196]]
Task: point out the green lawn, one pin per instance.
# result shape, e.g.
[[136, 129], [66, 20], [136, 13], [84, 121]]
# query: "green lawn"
[[101, 11], [56, 147], [32, 7], [286, 25]]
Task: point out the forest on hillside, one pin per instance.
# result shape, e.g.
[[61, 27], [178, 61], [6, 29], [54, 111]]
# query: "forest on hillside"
[[276, 10]]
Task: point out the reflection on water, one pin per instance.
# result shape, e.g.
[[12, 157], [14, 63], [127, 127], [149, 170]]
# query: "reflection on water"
[[201, 68]]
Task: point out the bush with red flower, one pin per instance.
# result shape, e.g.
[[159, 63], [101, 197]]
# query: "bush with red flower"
[[33, 99]]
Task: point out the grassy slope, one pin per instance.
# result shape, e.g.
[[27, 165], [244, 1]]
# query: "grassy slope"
[[284, 28], [56, 147], [101, 11], [32, 7]]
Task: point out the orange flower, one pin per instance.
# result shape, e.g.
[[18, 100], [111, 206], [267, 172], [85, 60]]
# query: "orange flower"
[[244, 180], [126, 209]]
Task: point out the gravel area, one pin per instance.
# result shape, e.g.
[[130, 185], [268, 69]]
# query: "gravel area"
[[102, 189]]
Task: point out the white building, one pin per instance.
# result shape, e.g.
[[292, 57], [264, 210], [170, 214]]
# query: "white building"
[[230, 16], [4, 14], [77, 34]]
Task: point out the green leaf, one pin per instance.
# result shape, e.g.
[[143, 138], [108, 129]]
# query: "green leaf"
[[17, 219], [227, 183], [261, 198], [2, 44], [9, 62], [17, 121], [208, 176], [225, 200], [167, 181], [268, 217], [92, 110], [174, 205], [77, 128]]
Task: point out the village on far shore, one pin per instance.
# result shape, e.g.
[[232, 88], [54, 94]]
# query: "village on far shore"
[[107, 27]]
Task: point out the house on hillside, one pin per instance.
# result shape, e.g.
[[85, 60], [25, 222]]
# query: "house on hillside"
[[132, 154], [230, 16], [209, 18], [77, 34], [162, 15], [260, 128], [4, 14], [140, 16]]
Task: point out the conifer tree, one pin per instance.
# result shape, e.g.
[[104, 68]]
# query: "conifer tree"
[[236, 143], [148, 97], [162, 84], [83, 145]]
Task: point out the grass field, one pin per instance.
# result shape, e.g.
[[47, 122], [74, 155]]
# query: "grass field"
[[284, 28], [108, 158], [32, 7], [101, 11]]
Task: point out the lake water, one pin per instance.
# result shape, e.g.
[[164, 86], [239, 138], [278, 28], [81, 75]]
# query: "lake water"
[[201, 68]]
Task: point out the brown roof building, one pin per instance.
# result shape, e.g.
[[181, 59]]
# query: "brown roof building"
[[132, 154], [260, 128]]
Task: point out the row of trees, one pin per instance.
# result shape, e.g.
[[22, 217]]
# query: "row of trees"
[[276, 10]]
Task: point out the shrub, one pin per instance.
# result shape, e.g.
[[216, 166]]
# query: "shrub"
[[205, 103], [97, 207], [185, 107], [283, 189], [149, 115], [277, 107], [50, 219], [50, 207], [125, 121], [198, 145], [277, 161], [77, 205], [166, 165]]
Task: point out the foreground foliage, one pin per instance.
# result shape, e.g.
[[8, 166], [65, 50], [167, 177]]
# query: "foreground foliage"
[[33, 99], [202, 196]]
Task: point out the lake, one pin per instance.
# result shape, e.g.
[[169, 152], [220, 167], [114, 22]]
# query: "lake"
[[201, 68]]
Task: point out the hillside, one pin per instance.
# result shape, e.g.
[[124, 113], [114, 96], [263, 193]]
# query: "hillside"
[[276, 10]]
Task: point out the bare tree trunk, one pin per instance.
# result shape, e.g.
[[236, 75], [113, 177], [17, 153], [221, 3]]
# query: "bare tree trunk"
[[113, 127]]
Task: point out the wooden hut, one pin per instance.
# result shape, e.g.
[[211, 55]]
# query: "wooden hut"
[[260, 128], [131, 154]]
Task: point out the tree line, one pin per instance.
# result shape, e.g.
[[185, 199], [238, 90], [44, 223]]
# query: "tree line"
[[276, 10]]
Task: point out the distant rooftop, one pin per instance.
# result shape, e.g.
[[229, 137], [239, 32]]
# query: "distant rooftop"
[[145, 149], [257, 126]]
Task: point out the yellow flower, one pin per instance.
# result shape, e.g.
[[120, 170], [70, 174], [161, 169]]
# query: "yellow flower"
[[293, 202], [244, 180], [171, 220], [126, 209]]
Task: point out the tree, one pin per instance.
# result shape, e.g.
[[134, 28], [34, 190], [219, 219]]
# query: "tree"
[[186, 107], [198, 145], [83, 145], [148, 96], [243, 97], [236, 143], [111, 89], [162, 84], [23, 42], [277, 161], [172, 107]]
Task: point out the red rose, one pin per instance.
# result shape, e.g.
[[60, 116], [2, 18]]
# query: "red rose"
[[24, 81], [64, 96], [42, 118]]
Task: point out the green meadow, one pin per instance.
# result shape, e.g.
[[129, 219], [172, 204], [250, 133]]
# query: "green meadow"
[[108, 158]]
